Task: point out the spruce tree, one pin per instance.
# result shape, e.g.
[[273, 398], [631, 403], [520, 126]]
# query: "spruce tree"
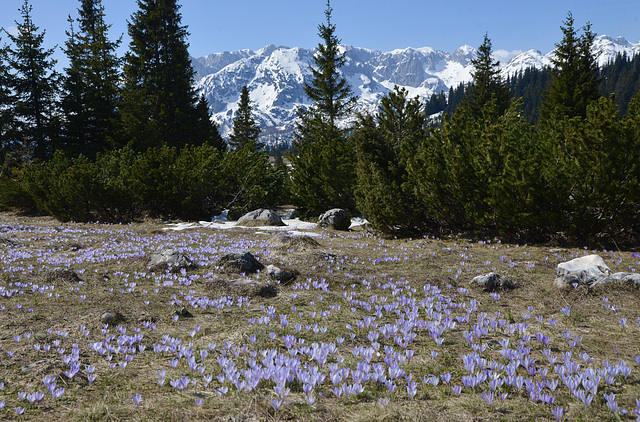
[[160, 104], [323, 165], [34, 83], [574, 82], [245, 130], [329, 91], [91, 83], [488, 84]]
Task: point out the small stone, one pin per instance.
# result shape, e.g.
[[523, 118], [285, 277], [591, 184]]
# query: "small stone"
[[168, 258], [493, 282], [283, 276], [184, 312], [112, 318], [240, 261]]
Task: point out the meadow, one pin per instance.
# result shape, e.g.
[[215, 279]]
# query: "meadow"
[[372, 329]]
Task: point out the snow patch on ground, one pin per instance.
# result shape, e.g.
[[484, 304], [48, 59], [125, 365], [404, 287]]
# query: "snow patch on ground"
[[293, 226]]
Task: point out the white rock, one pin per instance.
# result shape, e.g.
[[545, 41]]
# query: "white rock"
[[588, 270]]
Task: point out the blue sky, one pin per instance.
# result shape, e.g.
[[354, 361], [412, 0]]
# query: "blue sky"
[[377, 24]]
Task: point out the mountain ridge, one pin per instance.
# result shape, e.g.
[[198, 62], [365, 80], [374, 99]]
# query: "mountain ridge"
[[275, 77]]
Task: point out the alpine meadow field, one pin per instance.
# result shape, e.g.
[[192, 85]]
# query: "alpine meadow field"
[[372, 328]]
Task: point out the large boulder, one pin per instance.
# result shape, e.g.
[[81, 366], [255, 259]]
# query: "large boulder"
[[260, 217], [168, 259], [587, 271], [494, 282], [240, 261], [336, 219]]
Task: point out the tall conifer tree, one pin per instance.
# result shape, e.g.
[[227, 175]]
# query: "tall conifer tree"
[[91, 84], [245, 130], [574, 82], [323, 166], [34, 83], [329, 91], [488, 85], [160, 104]]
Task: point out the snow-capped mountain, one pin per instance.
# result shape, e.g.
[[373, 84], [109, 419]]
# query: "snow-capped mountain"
[[275, 77]]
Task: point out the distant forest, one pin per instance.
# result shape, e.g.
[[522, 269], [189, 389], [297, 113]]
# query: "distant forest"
[[620, 77]]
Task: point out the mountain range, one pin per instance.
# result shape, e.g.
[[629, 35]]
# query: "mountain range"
[[275, 77]]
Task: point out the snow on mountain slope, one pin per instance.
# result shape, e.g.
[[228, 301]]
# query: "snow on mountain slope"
[[276, 76]]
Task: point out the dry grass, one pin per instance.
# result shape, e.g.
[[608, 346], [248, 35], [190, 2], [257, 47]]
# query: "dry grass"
[[342, 277]]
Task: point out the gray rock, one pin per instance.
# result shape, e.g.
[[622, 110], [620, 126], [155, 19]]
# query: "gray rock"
[[494, 282], [184, 312], [587, 271], [620, 278], [336, 219], [260, 217], [112, 318], [168, 259], [283, 276], [240, 261]]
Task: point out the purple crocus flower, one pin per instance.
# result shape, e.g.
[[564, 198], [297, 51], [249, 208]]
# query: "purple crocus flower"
[[487, 396], [557, 413], [137, 398]]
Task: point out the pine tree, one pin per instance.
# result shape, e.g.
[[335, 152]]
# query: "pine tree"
[[574, 82], [91, 83], [488, 84], [385, 146], [245, 130], [323, 165], [160, 104], [34, 83]]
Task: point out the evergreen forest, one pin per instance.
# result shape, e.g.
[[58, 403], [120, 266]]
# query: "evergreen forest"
[[546, 154]]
